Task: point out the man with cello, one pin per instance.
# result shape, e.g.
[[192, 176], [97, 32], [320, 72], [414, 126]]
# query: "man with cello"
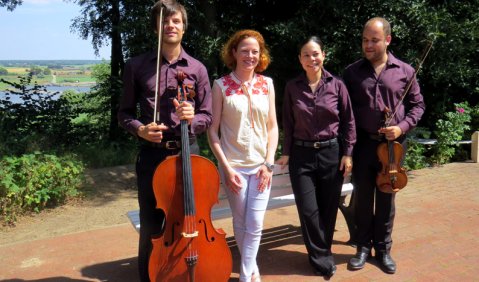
[[150, 81], [378, 83]]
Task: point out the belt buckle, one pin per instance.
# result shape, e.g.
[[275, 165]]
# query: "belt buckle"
[[171, 145], [317, 145]]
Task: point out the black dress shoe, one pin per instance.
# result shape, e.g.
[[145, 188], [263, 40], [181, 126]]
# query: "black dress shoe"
[[358, 261], [386, 262], [327, 274]]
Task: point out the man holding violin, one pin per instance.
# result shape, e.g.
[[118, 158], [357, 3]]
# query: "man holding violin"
[[149, 78], [376, 84]]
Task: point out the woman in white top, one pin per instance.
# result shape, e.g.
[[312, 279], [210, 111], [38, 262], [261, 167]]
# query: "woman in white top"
[[244, 137]]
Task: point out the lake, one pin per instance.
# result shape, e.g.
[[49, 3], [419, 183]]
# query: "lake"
[[51, 89]]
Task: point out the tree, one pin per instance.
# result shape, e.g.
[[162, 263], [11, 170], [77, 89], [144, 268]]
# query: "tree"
[[10, 4], [31, 118], [118, 23], [3, 71]]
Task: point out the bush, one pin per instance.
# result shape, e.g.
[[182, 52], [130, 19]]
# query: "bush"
[[106, 154], [416, 152], [449, 130], [33, 182]]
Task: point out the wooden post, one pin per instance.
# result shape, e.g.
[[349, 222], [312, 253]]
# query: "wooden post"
[[475, 147]]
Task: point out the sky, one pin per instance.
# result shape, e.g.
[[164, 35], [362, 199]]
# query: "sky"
[[40, 30]]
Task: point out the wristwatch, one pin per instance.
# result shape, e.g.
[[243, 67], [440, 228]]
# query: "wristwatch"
[[269, 166]]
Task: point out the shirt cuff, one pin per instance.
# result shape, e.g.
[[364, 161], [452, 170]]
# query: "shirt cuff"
[[404, 127]]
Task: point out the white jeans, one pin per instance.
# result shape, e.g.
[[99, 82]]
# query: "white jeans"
[[248, 209]]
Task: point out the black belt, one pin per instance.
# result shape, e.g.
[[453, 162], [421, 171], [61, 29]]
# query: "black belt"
[[316, 144], [362, 134], [376, 137], [168, 144]]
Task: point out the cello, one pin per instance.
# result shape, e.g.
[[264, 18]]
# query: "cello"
[[186, 188]]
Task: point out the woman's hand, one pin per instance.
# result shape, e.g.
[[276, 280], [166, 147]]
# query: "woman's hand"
[[264, 175], [233, 180], [346, 165]]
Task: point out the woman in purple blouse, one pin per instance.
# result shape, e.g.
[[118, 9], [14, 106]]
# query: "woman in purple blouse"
[[319, 134]]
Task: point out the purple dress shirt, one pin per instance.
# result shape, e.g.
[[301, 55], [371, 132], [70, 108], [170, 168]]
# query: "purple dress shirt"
[[370, 94], [139, 88], [318, 116]]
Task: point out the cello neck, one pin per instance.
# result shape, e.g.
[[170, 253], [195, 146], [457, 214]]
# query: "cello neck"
[[189, 197]]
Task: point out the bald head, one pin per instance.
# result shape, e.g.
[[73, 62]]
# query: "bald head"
[[380, 22]]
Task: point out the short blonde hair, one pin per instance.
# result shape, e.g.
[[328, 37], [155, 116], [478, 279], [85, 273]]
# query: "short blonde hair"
[[234, 41]]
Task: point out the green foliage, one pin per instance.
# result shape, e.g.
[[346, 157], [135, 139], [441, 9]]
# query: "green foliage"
[[474, 120], [416, 157], [10, 4], [449, 130], [36, 70], [3, 71], [205, 150], [33, 182], [106, 154], [31, 118]]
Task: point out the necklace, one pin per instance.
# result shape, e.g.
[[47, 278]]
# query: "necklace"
[[243, 81]]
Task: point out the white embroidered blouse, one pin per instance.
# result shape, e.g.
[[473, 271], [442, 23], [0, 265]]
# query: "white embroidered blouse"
[[243, 126]]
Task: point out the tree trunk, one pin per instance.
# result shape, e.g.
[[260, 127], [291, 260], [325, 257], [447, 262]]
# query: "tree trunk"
[[117, 64]]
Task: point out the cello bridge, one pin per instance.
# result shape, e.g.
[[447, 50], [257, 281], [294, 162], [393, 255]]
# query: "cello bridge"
[[189, 235]]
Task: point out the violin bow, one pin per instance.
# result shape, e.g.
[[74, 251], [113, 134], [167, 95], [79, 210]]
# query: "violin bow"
[[159, 24], [408, 86]]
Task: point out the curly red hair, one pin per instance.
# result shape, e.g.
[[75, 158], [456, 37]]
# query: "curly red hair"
[[234, 41]]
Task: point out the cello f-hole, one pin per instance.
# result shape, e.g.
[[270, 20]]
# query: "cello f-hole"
[[172, 239], [203, 223]]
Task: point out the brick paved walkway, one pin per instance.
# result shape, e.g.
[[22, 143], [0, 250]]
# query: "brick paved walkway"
[[436, 238]]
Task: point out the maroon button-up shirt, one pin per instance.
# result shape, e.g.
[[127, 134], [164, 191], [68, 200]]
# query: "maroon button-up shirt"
[[139, 88], [370, 94], [318, 116]]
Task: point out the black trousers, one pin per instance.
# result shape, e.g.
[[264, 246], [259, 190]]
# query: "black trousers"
[[374, 210], [317, 183], [151, 219]]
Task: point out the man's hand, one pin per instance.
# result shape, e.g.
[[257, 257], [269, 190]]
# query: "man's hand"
[[152, 132], [283, 161], [184, 110], [391, 132], [346, 165]]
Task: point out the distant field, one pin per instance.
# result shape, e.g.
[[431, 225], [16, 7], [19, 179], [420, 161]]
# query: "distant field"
[[60, 75], [16, 70]]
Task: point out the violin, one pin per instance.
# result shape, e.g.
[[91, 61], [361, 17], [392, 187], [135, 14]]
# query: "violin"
[[392, 177], [186, 188]]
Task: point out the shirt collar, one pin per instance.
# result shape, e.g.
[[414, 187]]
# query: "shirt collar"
[[236, 79], [325, 77], [391, 61], [183, 58]]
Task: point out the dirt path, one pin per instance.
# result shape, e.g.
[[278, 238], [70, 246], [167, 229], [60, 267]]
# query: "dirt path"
[[110, 193]]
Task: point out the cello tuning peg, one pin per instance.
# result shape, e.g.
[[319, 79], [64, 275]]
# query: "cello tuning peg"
[[180, 76], [191, 91]]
